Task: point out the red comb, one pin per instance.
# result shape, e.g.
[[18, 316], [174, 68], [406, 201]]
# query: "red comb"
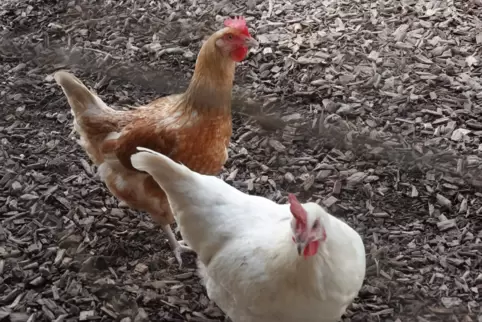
[[297, 209], [237, 23]]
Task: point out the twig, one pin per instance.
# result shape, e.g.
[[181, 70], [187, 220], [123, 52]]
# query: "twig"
[[101, 52], [270, 7]]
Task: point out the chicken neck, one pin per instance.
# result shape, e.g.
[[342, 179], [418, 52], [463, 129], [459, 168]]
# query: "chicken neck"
[[211, 85]]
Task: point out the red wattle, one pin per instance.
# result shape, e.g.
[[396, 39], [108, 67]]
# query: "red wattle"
[[311, 249], [239, 54]]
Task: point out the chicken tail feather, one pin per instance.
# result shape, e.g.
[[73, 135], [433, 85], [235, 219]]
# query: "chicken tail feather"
[[79, 97], [162, 168]]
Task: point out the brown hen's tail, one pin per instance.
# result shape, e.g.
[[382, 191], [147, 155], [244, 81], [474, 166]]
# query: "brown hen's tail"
[[80, 98]]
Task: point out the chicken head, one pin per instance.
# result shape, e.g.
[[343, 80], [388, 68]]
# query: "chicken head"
[[235, 40], [307, 226]]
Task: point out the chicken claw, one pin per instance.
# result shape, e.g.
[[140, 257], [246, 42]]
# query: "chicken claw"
[[178, 247]]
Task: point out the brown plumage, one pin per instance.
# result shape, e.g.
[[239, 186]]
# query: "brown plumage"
[[193, 128]]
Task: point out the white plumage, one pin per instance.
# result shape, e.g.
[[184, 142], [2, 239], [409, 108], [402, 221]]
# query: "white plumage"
[[246, 253]]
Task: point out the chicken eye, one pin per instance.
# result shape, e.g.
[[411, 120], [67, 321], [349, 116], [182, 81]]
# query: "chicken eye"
[[230, 37]]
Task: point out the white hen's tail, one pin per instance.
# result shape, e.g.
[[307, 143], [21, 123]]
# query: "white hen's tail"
[[167, 173], [80, 98]]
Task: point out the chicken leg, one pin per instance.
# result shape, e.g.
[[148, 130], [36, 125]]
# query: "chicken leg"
[[178, 247]]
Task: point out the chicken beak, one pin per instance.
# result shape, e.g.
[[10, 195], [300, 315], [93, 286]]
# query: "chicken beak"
[[250, 42], [300, 247]]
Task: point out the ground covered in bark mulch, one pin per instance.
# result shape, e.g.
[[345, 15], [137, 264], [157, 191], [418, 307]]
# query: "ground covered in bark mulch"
[[372, 108]]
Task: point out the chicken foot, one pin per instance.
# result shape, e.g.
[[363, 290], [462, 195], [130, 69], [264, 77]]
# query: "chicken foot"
[[178, 247]]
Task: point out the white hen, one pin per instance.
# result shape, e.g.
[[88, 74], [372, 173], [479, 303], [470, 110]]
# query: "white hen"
[[249, 248]]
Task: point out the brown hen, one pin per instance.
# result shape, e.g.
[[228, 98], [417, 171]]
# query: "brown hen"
[[193, 128]]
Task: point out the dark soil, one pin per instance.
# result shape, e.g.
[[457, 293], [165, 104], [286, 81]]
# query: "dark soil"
[[372, 108]]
